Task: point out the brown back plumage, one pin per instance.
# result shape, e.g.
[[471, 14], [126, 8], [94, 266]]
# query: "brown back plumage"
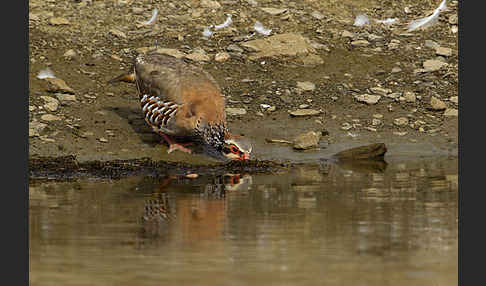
[[201, 103]]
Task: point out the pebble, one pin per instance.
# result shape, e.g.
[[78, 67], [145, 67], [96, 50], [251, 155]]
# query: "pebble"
[[304, 112], [70, 54], [380, 91], [306, 85], [117, 33], [410, 97], [51, 103], [102, 139], [58, 85], [304, 106], [441, 51], [50, 117], [360, 43], [401, 121], [403, 133], [210, 4], [221, 57], [317, 15], [231, 111], [453, 19], [347, 34], [368, 98], [35, 128], [64, 97], [274, 11], [451, 112], [433, 65], [396, 70], [377, 115], [198, 57], [454, 99], [437, 104], [307, 140]]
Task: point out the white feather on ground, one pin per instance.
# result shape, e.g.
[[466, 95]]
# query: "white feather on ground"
[[361, 20], [423, 23], [225, 24], [152, 19], [45, 73], [388, 21], [260, 29], [207, 32]]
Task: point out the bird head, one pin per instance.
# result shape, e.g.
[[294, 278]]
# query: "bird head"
[[236, 148]]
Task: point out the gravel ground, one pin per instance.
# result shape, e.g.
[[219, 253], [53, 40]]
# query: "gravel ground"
[[315, 71]]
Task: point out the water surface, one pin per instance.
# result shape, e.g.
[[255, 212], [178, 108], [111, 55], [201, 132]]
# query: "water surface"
[[392, 224]]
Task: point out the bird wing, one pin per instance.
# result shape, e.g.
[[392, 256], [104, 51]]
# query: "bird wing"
[[172, 82]]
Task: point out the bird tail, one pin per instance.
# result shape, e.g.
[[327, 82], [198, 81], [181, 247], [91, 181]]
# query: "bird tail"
[[130, 78]]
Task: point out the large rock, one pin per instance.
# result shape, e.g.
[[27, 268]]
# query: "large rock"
[[307, 140], [368, 98], [58, 85], [289, 44]]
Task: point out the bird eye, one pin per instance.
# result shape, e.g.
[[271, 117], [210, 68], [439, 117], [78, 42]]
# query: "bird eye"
[[234, 149]]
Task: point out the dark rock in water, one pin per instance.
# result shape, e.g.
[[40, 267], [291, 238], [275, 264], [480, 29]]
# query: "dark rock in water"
[[369, 152]]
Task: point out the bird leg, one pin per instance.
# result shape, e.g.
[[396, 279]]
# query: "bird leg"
[[175, 146]]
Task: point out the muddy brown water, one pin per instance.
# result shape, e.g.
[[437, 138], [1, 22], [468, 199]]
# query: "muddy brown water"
[[313, 225]]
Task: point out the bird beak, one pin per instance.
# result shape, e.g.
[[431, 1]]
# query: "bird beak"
[[245, 156]]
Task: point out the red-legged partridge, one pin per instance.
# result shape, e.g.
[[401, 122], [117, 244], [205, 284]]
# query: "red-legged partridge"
[[180, 99]]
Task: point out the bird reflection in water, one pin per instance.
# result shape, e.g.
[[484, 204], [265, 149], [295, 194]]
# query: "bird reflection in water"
[[190, 216]]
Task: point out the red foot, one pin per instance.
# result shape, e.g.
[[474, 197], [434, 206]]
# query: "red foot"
[[176, 146]]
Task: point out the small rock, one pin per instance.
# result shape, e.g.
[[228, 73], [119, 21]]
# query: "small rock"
[[306, 85], [235, 111], [210, 4], [441, 51], [288, 44], [221, 57], [234, 48], [198, 57], [375, 122], [454, 99], [304, 112], [58, 85], [403, 133], [346, 126], [347, 34], [360, 43], [378, 116], [396, 70], [307, 140], [371, 129], [35, 128], [51, 103], [118, 33], [50, 117], [401, 121], [433, 65], [453, 19], [451, 112], [373, 37], [59, 21], [64, 97], [431, 44], [380, 91], [32, 107], [437, 104], [317, 15], [274, 11], [410, 97], [69, 54], [304, 106], [454, 29], [103, 140], [368, 98]]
